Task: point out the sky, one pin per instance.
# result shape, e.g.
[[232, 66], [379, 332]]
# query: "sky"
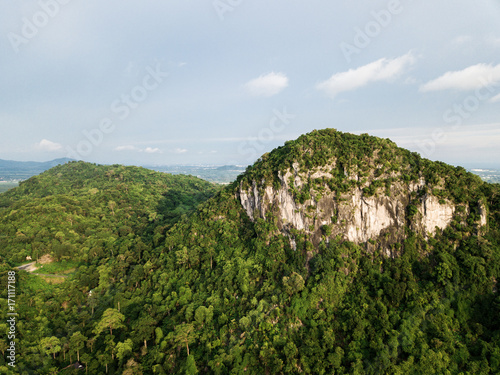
[[214, 82]]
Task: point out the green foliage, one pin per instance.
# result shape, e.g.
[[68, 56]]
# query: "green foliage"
[[77, 342], [162, 287], [85, 211], [111, 319], [5, 186], [50, 345], [123, 349]]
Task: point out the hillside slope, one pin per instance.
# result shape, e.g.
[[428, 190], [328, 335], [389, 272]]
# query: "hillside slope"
[[241, 285], [254, 289], [80, 210]]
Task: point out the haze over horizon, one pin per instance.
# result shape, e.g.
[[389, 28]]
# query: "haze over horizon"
[[215, 83]]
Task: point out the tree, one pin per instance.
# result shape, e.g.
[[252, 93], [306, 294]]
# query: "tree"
[[86, 358], [132, 368], [51, 345], [90, 343], [158, 335], [104, 359], [65, 347], [184, 334], [191, 368], [112, 319], [112, 205], [3, 346], [110, 346], [203, 315], [77, 342], [123, 349], [294, 283], [144, 328], [92, 301]]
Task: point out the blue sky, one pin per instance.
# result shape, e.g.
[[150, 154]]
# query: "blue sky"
[[223, 81]]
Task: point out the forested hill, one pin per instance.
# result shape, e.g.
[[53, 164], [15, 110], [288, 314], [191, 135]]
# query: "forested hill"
[[269, 276], [78, 209]]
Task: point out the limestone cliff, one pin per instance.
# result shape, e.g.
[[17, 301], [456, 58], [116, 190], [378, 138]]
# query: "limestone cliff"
[[371, 205]]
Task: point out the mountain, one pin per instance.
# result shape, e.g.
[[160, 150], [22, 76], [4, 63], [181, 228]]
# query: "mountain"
[[219, 174], [334, 253], [358, 188], [21, 170]]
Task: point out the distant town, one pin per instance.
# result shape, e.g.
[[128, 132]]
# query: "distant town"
[[488, 175]]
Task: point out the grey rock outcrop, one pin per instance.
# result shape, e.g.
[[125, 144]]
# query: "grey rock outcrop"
[[352, 215]]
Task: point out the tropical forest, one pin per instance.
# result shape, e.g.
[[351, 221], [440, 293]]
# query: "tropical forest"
[[332, 254]]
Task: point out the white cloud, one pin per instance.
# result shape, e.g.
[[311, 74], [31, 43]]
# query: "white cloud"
[[127, 148], [46, 145], [147, 150], [151, 150], [473, 77], [495, 99], [267, 85], [493, 40], [380, 70], [462, 39], [180, 150], [410, 81], [457, 141]]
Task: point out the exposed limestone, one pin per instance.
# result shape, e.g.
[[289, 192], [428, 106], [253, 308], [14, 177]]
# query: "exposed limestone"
[[483, 221], [352, 215], [435, 214]]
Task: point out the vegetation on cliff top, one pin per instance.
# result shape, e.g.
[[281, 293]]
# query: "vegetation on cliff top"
[[353, 160]]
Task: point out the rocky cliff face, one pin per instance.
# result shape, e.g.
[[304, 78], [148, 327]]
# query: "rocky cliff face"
[[354, 215]]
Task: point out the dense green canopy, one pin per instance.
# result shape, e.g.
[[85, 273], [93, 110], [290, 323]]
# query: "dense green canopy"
[[158, 288]]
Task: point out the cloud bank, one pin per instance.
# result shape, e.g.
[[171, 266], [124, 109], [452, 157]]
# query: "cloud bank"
[[471, 78], [380, 70], [147, 150], [46, 145], [267, 85]]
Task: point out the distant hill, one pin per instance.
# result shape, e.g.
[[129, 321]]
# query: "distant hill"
[[11, 170], [81, 201], [21, 170], [220, 174]]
